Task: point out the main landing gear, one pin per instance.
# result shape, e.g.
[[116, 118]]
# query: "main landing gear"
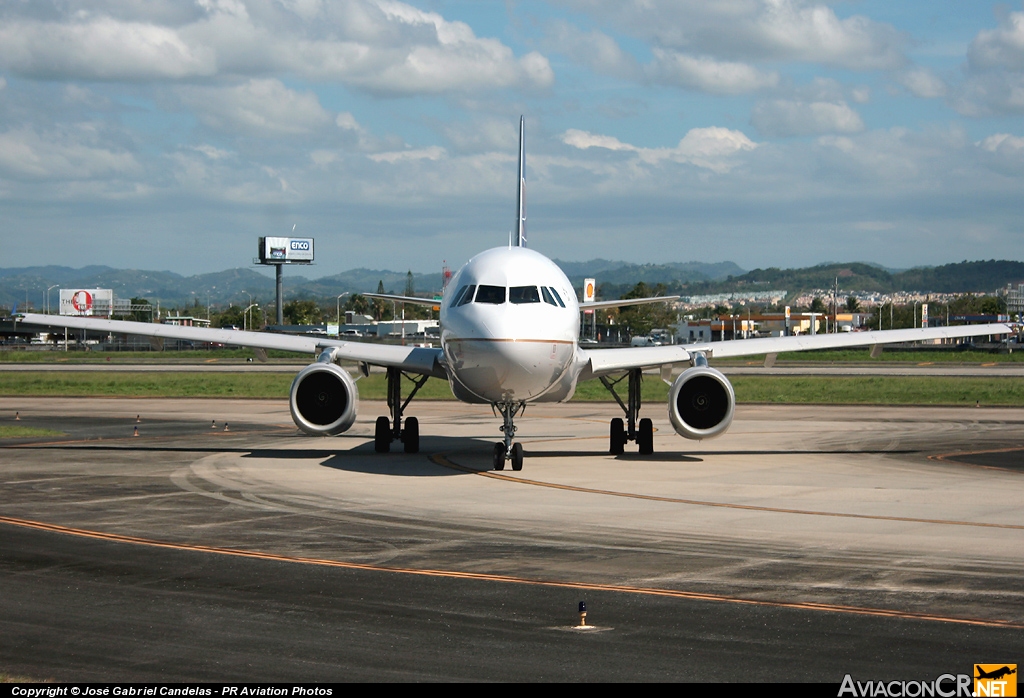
[[642, 433], [506, 450], [388, 430]]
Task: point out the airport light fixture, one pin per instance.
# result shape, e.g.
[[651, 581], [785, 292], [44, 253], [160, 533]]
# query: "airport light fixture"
[[246, 317], [48, 297], [339, 311]]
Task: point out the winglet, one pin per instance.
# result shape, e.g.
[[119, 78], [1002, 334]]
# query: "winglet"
[[520, 236]]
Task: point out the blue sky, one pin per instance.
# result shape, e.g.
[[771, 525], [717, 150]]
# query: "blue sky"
[[170, 135]]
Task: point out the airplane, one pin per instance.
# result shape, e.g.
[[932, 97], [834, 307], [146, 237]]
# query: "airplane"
[[995, 673], [510, 336]]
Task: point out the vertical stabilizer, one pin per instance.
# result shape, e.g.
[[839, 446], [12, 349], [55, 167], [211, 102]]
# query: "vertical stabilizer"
[[520, 234]]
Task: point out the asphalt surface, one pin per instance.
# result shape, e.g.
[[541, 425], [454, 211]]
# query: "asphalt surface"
[[806, 544]]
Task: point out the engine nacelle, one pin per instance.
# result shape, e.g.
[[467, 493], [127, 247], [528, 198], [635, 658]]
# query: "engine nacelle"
[[700, 403], [324, 399]]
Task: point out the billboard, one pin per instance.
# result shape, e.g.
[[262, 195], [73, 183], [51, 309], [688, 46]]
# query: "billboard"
[[85, 301], [286, 250]]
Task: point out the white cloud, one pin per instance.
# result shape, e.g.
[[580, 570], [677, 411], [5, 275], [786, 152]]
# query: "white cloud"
[[1003, 143], [380, 46], [860, 95], [1002, 47], [755, 30], [795, 118], [995, 67], [994, 92], [922, 82], [25, 153], [707, 74], [258, 107], [100, 48], [709, 148], [594, 49], [431, 153]]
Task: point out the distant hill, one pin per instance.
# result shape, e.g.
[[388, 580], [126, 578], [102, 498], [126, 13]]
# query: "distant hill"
[[962, 277], [619, 273], [614, 279]]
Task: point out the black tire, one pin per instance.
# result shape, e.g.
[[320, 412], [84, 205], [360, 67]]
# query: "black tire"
[[411, 435], [618, 437], [499, 456], [517, 456], [382, 435], [645, 437]]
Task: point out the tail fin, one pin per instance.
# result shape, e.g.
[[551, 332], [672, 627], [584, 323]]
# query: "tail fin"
[[520, 235]]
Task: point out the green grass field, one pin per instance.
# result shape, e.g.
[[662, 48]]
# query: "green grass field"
[[884, 390], [8, 431]]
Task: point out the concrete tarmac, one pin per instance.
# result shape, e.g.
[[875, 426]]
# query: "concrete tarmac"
[[805, 544]]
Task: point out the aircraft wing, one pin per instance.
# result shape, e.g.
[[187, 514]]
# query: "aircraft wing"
[[605, 361], [413, 359], [623, 302], [413, 300]]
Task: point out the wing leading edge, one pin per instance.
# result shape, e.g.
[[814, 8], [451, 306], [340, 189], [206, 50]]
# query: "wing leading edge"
[[414, 359], [604, 361]]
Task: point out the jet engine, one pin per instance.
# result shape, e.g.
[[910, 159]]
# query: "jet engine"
[[701, 403], [323, 399]]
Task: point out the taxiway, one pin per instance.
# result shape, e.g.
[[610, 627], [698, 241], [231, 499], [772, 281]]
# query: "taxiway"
[[805, 544]]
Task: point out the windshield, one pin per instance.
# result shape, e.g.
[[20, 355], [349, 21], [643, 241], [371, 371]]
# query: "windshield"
[[523, 294], [490, 294]]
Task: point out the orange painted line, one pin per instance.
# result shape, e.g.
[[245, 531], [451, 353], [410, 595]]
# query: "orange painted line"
[[506, 579], [441, 459]]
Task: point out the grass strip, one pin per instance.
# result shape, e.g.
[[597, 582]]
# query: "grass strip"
[[867, 390], [18, 432], [197, 356]]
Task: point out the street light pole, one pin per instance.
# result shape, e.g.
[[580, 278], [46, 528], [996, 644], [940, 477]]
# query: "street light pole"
[[246, 317], [48, 297], [339, 311]]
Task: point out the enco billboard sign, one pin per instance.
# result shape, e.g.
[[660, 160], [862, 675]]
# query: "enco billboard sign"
[[286, 250]]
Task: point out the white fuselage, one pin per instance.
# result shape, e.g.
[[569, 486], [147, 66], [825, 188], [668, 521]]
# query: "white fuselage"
[[510, 329]]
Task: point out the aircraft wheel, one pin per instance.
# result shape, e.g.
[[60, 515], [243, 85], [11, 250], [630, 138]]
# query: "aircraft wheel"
[[411, 435], [499, 456], [382, 435], [618, 437], [645, 437], [517, 456]]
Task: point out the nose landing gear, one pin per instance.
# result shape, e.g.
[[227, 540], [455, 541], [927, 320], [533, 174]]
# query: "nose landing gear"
[[507, 450]]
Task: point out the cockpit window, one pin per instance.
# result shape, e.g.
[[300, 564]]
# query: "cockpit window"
[[551, 296], [465, 295], [490, 294], [458, 296], [523, 294]]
